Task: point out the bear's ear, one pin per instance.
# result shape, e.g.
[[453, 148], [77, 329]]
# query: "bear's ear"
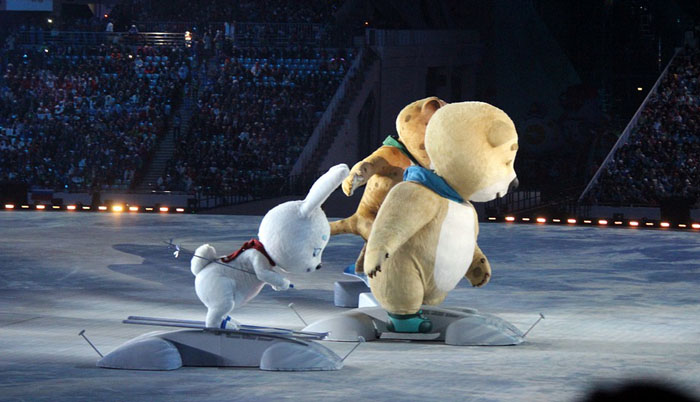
[[323, 187], [431, 106], [499, 133]]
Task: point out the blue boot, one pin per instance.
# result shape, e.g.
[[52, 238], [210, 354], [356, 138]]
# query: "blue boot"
[[409, 323]]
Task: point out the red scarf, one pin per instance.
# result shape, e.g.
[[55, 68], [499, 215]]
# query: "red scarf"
[[253, 243]]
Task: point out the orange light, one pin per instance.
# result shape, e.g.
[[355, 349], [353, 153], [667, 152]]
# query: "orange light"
[[649, 223], [634, 223], [102, 208], [526, 219], [556, 220], [602, 222], [492, 218], [510, 219], [149, 209], [587, 221], [86, 207], [133, 209], [164, 209], [618, 222], [571, 220], [9, 206], [117, 208], [180, 210], [665, 224], [56, 207], [541, 220], [71, 207], [40, 206], [695, 225], [682, 225]]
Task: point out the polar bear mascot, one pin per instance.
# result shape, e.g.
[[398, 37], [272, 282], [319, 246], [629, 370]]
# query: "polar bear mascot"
[[292, 237]]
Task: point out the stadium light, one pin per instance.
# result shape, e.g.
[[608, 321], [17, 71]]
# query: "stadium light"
[[102, 208], [56, 206], [492, 218], [25, 206], [639, 89], [117, 208], [164, 209], [587, 221], [9, 206], [49, 20], [634, 223], [510, 219], [665, 224], [571, 220], [556, 220], [649, 223], [85, 207], [618, 222], [149, 209], [541, 220], [602, 222], [695, 225], [526, 219], [682, 225], [180, 210], [71, 207], [41, 206], [133, 209]]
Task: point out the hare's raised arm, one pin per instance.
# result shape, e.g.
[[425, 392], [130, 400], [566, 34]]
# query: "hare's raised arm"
[[323, 187]]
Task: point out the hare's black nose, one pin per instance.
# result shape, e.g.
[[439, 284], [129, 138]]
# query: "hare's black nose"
[[318, 267]]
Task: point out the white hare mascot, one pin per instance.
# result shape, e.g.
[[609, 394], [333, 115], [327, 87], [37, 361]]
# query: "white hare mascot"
[[292, 237]]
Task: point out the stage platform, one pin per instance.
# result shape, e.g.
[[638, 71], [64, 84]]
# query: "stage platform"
[[620, 304]]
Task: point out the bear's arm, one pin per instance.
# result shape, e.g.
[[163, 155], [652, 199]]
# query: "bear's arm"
[[407, 208]]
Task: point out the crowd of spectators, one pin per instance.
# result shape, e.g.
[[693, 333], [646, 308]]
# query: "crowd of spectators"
[[252, 118], [86, 118], [661, 158], [203, 12]]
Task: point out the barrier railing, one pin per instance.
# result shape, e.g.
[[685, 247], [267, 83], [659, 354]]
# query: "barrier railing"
[[45, 38], [277, 34]]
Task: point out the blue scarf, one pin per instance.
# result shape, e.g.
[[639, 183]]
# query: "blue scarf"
[[429, 179]]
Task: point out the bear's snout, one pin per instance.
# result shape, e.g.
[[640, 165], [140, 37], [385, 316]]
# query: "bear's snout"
[[513, 185]]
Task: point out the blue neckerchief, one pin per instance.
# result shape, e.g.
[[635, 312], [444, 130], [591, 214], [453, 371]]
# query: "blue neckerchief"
[[429, 179]]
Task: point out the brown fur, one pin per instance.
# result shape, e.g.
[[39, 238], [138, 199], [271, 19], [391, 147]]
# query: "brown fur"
[[384, 168]]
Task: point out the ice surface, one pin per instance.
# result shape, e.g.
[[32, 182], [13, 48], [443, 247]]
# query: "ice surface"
[[620, 304]]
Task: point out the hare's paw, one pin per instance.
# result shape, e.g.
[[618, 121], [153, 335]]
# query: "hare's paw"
[[230, 323], [284, 286]]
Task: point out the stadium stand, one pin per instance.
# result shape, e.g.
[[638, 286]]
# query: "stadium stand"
[[101, 109], [661, 158], [253, 116]]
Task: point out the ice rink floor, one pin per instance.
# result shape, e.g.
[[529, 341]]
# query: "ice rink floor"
[[620, 304]]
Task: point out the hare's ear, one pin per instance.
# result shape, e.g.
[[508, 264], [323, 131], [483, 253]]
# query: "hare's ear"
[[323, 187]]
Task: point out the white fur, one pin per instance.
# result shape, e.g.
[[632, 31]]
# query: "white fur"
[[498, 189], [455, 248], [294, 234]]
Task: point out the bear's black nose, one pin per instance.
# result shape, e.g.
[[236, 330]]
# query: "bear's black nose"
[[513, 185], [318, 267]]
